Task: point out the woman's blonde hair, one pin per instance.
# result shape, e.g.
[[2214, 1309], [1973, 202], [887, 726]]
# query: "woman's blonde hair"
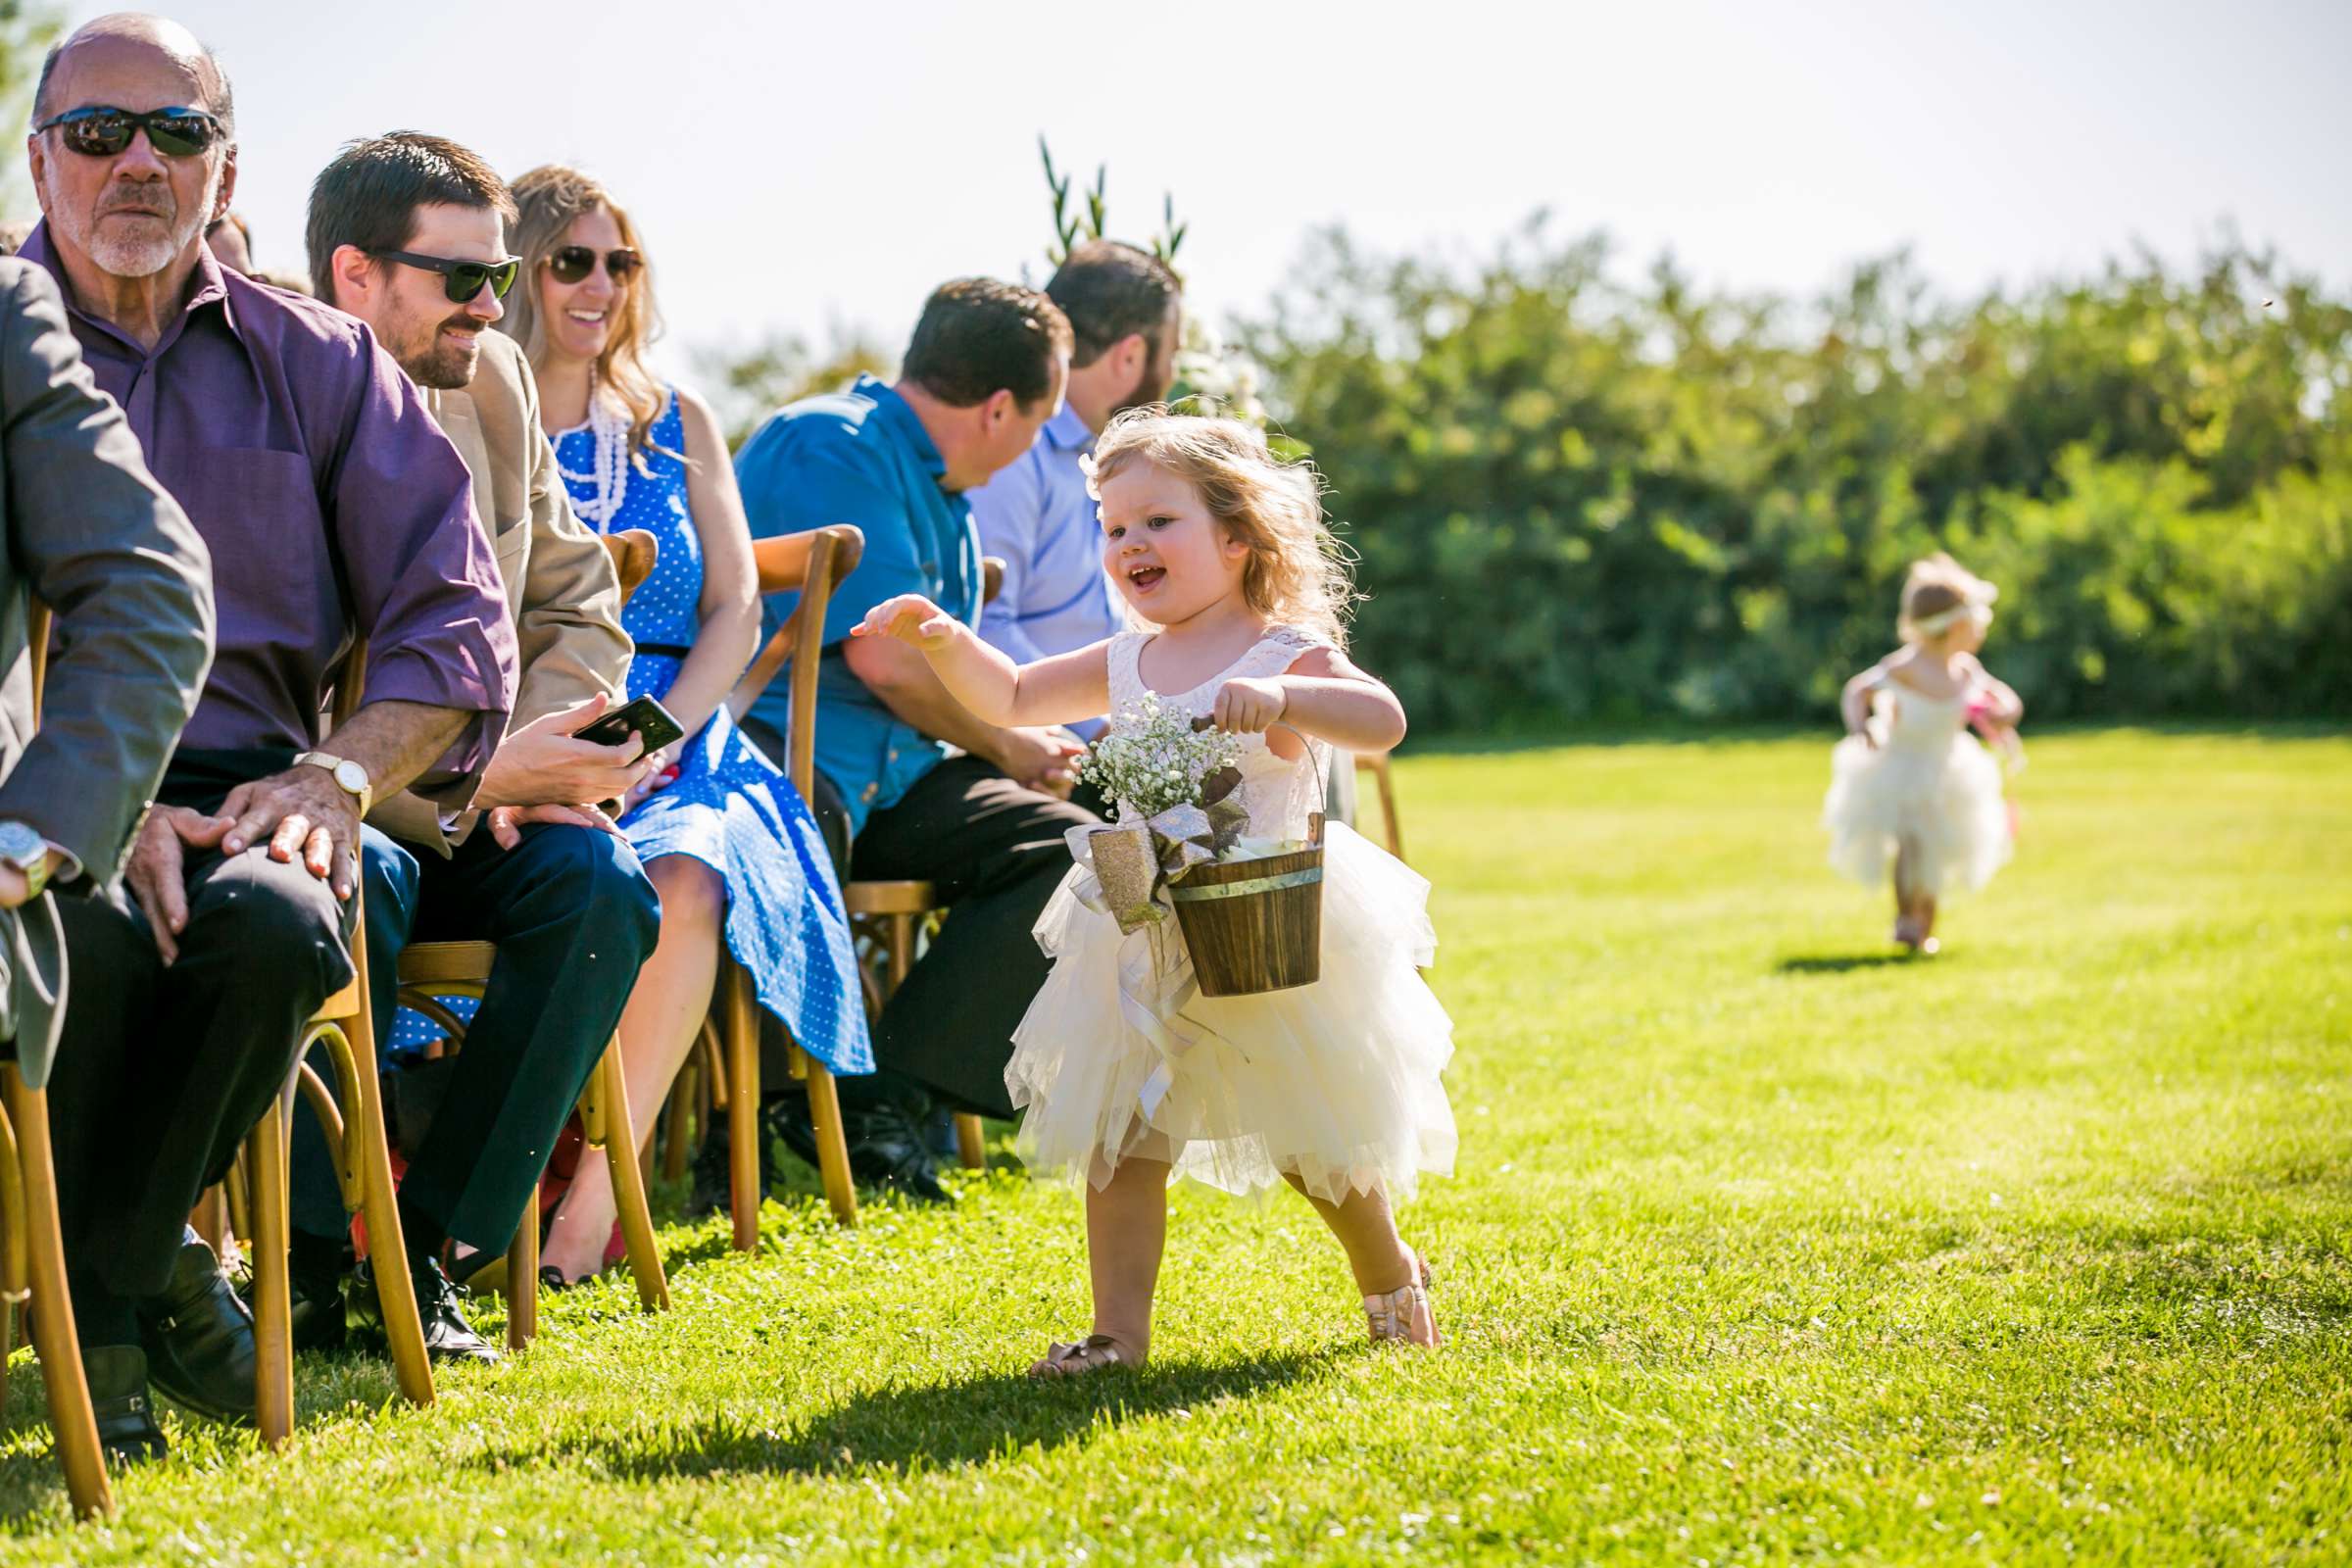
[[1937, 592], [546, 201], [1298, 571]]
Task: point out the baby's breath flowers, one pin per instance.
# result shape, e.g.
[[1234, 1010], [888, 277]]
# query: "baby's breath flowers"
[[1153, 759]]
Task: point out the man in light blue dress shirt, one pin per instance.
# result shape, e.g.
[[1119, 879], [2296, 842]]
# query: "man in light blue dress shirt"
[[1126, 311]]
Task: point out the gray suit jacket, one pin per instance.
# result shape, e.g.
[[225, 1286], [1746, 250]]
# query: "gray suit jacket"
[[96, 539]]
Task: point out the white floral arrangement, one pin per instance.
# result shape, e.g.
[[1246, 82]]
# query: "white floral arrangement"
[[1153, 760]]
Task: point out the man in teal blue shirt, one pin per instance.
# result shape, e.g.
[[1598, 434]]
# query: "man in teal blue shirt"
[[924, 789]]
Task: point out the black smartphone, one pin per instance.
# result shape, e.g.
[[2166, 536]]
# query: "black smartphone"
[[646, 715]]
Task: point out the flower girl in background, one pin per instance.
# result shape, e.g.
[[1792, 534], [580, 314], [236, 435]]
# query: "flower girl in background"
[[1238, 591], [1910, 786]]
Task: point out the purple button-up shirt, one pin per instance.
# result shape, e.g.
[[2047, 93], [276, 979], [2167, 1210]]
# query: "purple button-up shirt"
[[332, 505]]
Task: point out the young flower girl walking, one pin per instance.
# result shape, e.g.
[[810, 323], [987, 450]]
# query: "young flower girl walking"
[[1221, 552], [1909, 784]]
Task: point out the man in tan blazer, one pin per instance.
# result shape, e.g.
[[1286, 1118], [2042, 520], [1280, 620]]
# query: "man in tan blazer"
[[406, 233]]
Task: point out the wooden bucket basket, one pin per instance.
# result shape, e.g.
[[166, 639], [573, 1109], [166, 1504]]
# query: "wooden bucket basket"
[[1253, 926]]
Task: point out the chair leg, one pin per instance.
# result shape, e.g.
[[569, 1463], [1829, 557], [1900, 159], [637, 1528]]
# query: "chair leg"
[[272, 1302], [387, 1253], [611, 1117], [235, 1189], [211, 1218], [832, 1144], [1387, 807], [523, 1277], [69, 1389], [742, 1042], [971, 1144], [675, 1112]]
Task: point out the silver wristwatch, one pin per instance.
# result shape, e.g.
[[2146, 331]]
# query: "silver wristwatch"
[[24, 849]]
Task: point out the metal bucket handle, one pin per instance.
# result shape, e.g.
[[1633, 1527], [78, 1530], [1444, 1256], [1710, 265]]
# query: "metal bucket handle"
[[1314, 818]]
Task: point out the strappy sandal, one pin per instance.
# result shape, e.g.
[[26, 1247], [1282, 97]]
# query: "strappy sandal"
[[1096, 1352], [1401, 1315]]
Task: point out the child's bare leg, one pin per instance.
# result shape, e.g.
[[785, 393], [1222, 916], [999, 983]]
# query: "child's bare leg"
[[1126, 1229], [1367, 1230], [1907, 929]]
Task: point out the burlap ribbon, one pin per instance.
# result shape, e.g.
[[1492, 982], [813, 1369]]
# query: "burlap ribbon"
[[1123, 872], [1131, 862]]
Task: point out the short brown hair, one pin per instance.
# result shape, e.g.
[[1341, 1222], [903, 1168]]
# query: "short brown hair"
[[1109, 289], [978, 337], [369, 196]]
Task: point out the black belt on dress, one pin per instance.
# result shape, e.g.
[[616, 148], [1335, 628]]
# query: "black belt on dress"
[[665, 650]]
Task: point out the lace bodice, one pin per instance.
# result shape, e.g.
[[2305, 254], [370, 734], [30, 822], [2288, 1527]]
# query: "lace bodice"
[[1912, 720], [1279, 795]]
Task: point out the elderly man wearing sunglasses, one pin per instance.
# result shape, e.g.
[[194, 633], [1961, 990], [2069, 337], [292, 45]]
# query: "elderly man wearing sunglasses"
[[334, 509]]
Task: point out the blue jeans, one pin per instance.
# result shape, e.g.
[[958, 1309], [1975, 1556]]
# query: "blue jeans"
[[574, 917]]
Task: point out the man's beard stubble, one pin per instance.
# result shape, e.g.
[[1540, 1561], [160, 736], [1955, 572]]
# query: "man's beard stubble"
[[442, 363], [121, 255]]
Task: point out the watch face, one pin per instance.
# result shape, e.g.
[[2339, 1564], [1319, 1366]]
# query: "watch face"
[[21, 847], [352, 776]]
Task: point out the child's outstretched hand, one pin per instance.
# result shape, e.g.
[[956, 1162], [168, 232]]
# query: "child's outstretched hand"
[[910, 619], [1246, 706]]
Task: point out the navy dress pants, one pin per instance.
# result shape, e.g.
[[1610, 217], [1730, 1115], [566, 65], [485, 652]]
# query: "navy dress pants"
[[574, 917]]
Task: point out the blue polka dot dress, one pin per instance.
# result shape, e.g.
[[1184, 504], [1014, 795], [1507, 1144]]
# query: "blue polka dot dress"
[[730, 807]]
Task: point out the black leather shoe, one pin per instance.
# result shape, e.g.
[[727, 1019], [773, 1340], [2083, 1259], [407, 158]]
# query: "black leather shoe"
[[886, 1150], [317, 1311], [713, 1179], [198, 1337], [126, 1429], [448, 1337]]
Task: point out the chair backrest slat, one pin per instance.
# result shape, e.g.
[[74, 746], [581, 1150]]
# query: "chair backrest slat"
[[815, 563]]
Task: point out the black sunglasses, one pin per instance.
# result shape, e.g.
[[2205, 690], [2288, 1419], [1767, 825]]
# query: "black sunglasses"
[[101, 130], [460, 280], [574, 262]]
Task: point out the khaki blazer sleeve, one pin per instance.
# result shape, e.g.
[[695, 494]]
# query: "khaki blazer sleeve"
[[567, 616]]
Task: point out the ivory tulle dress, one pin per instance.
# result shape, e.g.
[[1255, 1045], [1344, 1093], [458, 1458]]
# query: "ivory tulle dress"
[[1337, 1082], [1928, 779]]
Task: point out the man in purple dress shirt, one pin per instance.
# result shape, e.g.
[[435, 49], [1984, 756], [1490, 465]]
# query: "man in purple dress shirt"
[[335, 508]]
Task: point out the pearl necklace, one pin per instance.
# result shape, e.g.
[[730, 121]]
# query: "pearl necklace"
[[608, 431]]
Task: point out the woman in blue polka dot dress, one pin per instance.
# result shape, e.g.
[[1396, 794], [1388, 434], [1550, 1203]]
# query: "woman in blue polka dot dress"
[[730, 844]]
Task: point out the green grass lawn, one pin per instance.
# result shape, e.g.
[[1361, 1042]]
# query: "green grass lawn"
[[1764, 1248]]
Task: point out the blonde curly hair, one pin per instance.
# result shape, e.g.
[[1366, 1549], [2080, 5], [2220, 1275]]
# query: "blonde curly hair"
[[1937, 592], [1298, 571]]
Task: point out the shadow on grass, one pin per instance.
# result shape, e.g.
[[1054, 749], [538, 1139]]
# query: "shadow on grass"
[[32, 1487], [1847, 962], [898, 1428]]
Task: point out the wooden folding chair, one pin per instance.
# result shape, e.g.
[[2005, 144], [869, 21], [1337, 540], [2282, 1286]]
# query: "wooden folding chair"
[[32, 1256], [431, 972], [1376, 763], [814, 562], [894, 914], [353, 1120]]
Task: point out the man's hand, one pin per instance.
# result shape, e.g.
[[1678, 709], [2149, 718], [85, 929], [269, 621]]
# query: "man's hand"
[[158, 870], [1045, 759], [912, 619], [546, 763], [16, 887], [506, 823], [300, 812]]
